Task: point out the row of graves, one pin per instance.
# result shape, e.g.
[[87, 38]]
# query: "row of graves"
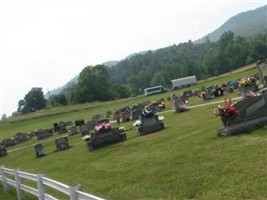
[[16, 139], [250, 113]]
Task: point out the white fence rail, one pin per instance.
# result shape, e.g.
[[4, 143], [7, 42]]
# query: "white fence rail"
[[14, 177]]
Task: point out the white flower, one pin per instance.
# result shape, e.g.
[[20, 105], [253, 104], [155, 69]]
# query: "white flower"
[[161, 118], [137, 123]]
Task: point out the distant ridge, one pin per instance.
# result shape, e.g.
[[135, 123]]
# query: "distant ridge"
[[246, 24]]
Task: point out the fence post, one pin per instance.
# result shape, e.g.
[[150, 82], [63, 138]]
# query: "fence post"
[[73, 192], [18, 182], [6, 186], [40, 186]]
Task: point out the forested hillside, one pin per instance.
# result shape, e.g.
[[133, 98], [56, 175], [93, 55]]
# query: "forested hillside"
[[131, 75], [247, 24]]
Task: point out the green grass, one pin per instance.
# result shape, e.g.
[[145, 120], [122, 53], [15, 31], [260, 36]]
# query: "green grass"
[[186, 160]]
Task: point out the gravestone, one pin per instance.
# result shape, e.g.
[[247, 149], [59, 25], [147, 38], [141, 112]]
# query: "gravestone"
[[252, 115], [91, 124], [108, 114], [150, 124], [179, 104], [73, 130], [62, 144], [125, 116], [3, 151], [135, 114], [79, 122], [62, 127], [105, 137], [188, 93], [22, 137], [96, 117], [42, 134], [9, 142], [84, 129], [39, 150]]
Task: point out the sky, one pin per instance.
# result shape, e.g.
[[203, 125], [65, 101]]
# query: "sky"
[[45, 43]]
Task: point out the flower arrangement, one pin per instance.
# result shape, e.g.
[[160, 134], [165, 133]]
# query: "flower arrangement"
[[227, 109], [247, 82]]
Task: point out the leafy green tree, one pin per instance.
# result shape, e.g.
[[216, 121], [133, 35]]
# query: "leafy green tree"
[[93, 85], [34, 100], [59, 99], [120, 91]]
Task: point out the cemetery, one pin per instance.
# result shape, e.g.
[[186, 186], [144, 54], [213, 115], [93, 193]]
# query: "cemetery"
[[177, 144]]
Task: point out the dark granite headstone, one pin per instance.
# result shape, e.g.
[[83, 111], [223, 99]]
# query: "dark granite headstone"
[[79, 122], [105, 137], [22, 137], [253, 115], [73, 130], [62, 127], [97, 117], [149, 125], [3, 151], [62, 144], [188, 93], [84, 129], [42, 134], [125, 116], [39, 150], [91, 124], [9, 142]]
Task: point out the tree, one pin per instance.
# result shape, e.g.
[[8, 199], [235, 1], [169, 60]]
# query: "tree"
[[93, 85], [34, 100], [59, 99], [4, 117]]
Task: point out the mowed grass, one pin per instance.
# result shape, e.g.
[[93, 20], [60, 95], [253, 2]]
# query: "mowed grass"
[[186, 160]]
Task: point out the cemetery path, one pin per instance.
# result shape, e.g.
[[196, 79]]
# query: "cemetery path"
[[194, 106]]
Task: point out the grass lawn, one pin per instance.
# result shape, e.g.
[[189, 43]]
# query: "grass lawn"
[[186, 160]]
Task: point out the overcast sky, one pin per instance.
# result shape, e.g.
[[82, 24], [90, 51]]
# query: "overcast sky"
[[45, 43]]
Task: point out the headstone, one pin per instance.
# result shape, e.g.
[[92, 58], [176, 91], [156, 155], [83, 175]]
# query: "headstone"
[[22, 137], [149, 125], [3, 151], [252, 115], [125, 116], [62, 127], [105, 137], [73, 130], [96, 117], [56, 127], [62, 144], [84, 130], [42, 134], [9, 142], [108, 114], [39, 150], [188, 93], [79, 122], [91, 124]]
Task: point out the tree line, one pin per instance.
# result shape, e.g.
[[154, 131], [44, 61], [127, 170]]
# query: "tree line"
[[132, 75]]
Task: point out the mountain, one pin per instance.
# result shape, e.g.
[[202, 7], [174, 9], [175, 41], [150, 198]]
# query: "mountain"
[[246, 24]]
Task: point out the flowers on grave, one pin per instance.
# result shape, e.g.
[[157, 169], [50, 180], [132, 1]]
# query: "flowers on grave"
[[102, 126], [228, 109], [247, 82], [138, 122], [86, 138]]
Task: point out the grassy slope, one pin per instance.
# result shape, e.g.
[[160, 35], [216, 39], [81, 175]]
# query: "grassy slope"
[[186, 160]]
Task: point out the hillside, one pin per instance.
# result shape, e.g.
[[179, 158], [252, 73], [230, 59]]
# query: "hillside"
[[192, 58], [246, 24]]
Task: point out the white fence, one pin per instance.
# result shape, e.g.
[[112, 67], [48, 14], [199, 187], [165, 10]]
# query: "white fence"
[[14, 177]]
